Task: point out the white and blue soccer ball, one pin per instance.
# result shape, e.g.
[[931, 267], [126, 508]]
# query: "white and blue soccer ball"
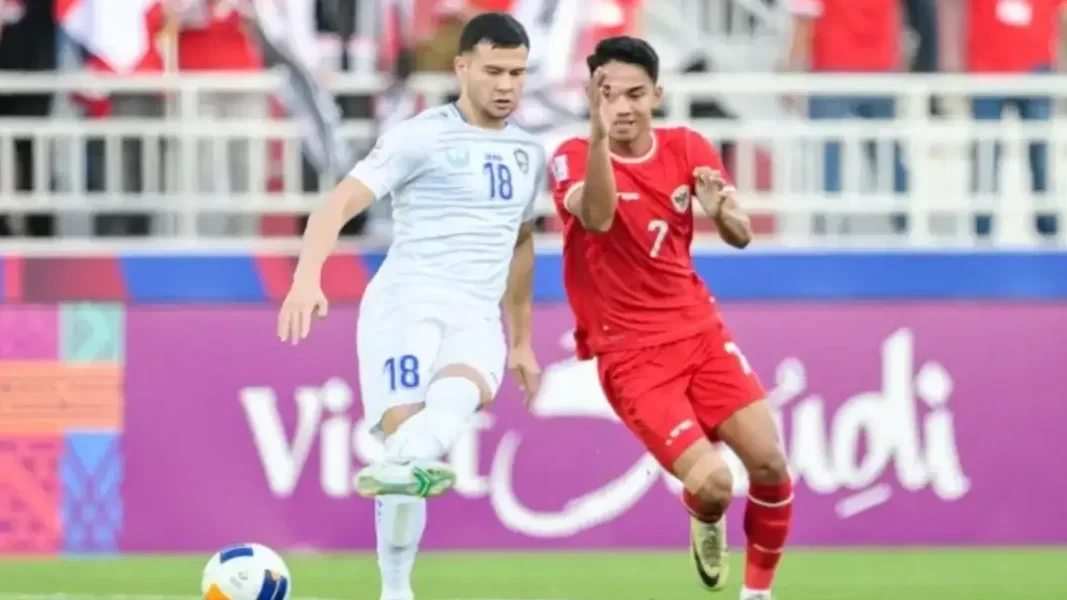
[[246, 572]]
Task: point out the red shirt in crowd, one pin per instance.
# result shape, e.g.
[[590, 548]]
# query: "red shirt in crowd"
[[616, 17], [492, 5], [1012, 36], [853, 35], [219, 44], [222, 44]]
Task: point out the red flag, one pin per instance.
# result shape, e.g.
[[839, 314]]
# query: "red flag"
[[120, 37]]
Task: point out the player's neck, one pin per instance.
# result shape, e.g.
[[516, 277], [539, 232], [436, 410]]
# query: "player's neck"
[[637, 148], [475, 117]]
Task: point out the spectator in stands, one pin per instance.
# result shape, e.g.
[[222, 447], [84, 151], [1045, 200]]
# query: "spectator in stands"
[[1012, 36], [923, 24], [213, 37], [435, 27], [292, 44], [99, 36], [27, 43], [849, 36], [186, 35]]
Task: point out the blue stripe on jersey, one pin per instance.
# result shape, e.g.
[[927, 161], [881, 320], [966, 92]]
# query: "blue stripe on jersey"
[[236, 552]]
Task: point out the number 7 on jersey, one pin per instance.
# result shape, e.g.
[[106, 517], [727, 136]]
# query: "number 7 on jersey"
[[659, 229]]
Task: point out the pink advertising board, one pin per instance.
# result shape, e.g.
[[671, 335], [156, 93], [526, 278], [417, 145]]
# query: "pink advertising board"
[[904, 424]]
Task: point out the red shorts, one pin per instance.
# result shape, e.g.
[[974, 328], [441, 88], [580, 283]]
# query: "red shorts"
[[673, 394]]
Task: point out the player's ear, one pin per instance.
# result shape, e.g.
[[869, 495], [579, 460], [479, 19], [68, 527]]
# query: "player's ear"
[[460, 64], [657, 94]]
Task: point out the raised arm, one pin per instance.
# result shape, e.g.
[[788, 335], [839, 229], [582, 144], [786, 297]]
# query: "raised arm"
[[715, 192], [591, 193], [804, 13], [580, 192], [595, 203]]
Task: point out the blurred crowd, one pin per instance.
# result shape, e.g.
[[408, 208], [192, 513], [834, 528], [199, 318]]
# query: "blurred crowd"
[[313, 39]]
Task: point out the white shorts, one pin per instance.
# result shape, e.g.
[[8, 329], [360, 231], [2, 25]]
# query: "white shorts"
[[401, 347]]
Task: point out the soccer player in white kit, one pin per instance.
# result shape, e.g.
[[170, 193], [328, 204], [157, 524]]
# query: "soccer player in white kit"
[[430, 342]]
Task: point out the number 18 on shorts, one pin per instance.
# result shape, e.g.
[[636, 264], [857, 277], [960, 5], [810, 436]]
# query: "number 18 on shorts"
[[400, 354]]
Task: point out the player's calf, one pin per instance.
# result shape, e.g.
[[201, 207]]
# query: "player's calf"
[[707, 495], [753, 435], [420, 435], [452, 397], [399, 524]]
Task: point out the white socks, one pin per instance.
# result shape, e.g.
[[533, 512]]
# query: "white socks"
[[430, 434], [399, 522]]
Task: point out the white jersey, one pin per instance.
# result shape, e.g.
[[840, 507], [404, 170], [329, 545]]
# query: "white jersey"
[[459, 195]]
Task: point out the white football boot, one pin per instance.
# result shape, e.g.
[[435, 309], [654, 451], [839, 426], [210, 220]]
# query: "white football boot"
[[419, 478], [710, 553]]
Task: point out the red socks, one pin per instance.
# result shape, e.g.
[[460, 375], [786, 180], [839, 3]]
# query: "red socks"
[[767, 516]]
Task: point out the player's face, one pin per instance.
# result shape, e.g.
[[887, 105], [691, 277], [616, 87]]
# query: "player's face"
[[493, 78], [632, 99]]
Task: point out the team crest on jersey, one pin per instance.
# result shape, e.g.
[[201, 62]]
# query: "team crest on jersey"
[[458, 157], [523, 160], [680, 198]]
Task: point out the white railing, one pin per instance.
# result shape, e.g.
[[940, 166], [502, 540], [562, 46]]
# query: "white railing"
[[777, 164]]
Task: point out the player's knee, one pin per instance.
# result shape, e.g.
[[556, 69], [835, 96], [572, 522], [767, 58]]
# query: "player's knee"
[[769, 466], [715, 489], [396, 416]]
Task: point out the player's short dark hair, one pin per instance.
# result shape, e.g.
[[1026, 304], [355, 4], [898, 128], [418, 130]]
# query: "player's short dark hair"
[[499, 30], [625, 49]]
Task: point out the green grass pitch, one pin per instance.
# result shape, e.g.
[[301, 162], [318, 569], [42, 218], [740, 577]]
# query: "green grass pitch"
[[905, 574]]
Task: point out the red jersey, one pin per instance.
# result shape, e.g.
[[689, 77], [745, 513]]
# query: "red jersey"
[[853, 35], [220, 44], [1012, 36], [634, 285]]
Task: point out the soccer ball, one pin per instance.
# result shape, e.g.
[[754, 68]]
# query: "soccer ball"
[[246, 572]]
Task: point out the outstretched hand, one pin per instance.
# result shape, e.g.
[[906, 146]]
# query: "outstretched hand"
[[599, 117], [711, 189], [527, 373], [304, 301]]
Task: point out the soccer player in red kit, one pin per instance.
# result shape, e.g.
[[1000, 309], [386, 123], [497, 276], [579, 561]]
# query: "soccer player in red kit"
[[666, 361]]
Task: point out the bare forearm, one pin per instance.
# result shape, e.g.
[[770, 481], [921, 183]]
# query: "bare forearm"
[[735, 228], [349, 198], [320, 237], [599, 197], [518, 299], [800, 45]]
